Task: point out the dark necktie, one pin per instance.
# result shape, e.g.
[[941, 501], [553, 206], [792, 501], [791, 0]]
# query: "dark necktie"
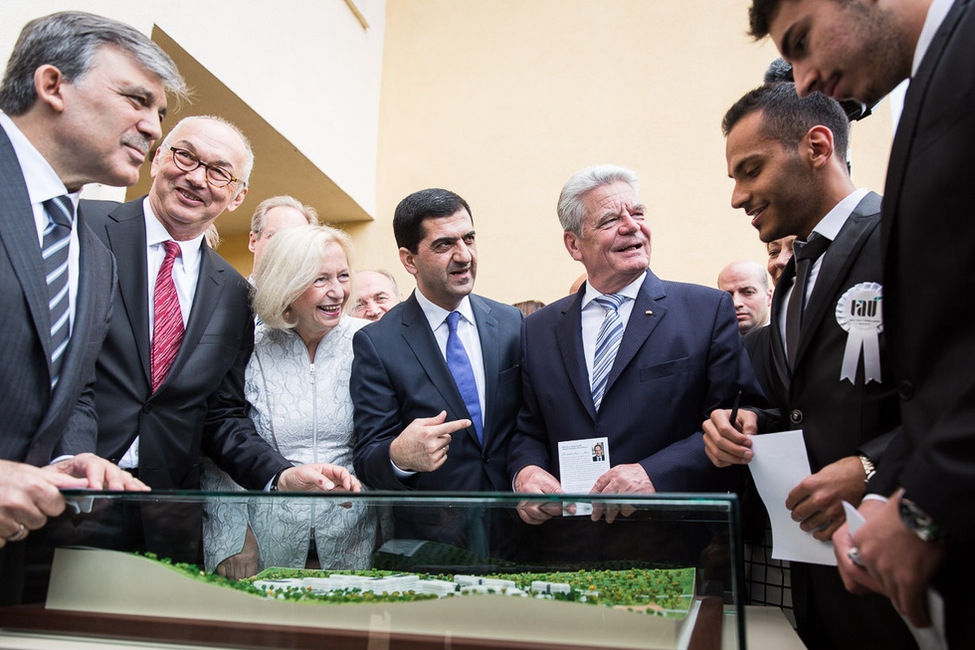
[[54, 249], [607, 344], [167, 330], [460, 367], [806, 255]]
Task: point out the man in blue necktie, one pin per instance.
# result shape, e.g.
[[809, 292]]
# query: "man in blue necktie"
[[435, 382], [628, 358]]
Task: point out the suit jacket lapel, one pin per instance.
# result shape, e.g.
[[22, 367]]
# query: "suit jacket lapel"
[[487, 332], [648, 310], [836, 262], [419, 337], [126, 232], [568, 334], [907, 125], [19, 237]]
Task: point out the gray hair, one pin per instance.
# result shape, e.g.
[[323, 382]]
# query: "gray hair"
[[572, 211], [282, 201], [69, 40], [290, 263], [245, 173]]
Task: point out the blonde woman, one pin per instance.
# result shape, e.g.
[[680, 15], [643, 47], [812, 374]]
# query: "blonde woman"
[[298, 386]]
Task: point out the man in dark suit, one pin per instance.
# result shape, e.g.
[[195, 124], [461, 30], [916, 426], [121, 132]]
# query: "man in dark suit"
[[82, 101], [157, 420], [679, 357], [922, 536], [422, 423], [787, 156]]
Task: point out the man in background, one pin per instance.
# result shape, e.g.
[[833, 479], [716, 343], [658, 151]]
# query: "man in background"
[[272, 215], [748, 286], [376, 293], [779, 253]]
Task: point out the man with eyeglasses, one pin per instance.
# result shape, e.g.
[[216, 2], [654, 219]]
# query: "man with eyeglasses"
[[170, 377]]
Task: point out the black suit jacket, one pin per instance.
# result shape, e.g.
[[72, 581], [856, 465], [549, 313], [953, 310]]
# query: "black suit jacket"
[[838, 418], [929, 274], [35, 421], [399, 374], [929, 279], [680, 357], [201, 404]]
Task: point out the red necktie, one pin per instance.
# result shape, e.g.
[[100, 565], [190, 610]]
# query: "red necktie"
[[167, 331]]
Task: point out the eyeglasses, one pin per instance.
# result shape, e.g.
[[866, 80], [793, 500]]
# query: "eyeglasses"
[[187, 162]]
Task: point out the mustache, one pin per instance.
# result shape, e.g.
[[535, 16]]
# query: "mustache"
[[137, 141]]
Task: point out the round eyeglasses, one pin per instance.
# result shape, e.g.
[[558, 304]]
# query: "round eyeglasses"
[[187, 161]]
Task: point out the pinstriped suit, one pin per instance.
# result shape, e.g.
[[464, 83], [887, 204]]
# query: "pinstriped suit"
[[35, 421]]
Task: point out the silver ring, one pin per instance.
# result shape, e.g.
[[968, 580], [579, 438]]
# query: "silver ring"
[[854, 555], [20, 534]]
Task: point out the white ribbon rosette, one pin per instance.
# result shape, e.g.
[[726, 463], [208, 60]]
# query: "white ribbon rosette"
[[859, 313]]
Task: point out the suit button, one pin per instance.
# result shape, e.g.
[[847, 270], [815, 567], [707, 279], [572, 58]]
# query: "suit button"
[[795, 416], [147, 408], [905, 390]]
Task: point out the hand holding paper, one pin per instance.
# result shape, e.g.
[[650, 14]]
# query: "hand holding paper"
[[779, 464]]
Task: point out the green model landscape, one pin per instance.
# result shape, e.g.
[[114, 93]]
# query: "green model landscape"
[[657, 591]]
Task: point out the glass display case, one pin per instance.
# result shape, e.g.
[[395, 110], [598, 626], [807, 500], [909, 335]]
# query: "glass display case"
[[385, 570]]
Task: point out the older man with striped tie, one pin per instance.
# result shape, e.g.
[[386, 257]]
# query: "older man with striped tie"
[[629, 361], [81, 99], [63, 123]]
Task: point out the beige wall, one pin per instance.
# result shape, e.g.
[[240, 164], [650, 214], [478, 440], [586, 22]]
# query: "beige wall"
[[498, 100], [501, 101]]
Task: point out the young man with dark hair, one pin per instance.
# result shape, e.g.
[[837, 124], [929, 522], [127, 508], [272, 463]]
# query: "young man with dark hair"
[[920, 537]]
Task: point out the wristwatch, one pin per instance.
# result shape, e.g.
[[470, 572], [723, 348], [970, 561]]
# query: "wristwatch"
[[919, 522], [868, 468]]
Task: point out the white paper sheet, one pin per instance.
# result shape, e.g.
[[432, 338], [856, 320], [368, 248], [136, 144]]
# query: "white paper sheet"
[[779, 464]]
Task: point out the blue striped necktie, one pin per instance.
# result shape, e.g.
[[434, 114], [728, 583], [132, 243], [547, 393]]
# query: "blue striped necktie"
[[607, 344], [54, 249], [460, 367]]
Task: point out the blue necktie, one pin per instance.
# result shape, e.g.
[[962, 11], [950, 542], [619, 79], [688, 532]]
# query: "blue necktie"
[[460, 367], [54, 250], [607, 344]]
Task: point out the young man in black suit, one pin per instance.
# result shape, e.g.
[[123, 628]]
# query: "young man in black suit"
[[787, 156], [922, 536]]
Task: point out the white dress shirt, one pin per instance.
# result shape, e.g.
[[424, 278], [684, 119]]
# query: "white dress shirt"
[[44, 184], [829, 227], [186, 272], [593, 315], [936, 15], [467, 331]]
